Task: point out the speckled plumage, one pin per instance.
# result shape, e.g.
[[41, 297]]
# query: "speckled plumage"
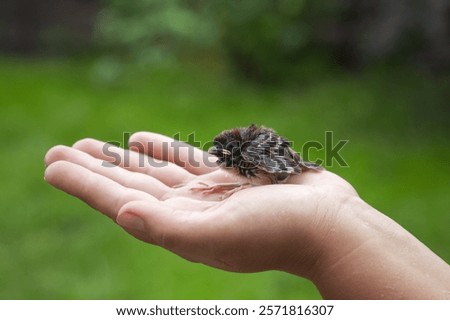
[[258, 152]]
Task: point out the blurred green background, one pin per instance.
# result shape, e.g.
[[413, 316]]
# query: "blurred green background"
[[375, 73]]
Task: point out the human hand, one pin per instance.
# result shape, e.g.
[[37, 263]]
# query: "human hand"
[[258, 228], [315, 226]]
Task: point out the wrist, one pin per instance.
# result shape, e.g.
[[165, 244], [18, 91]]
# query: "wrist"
[[367, 255], [356, 230], [331, 245]]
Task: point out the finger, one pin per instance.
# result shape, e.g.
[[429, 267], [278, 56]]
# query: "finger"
[[129, 179], [166, 172], [98, 191], [213, 236], [184, 155]]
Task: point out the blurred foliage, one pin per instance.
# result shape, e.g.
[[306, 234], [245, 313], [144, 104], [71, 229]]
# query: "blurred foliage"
[[47, 28], [263, 40], [152, 31], [272, 40], [280, 40]]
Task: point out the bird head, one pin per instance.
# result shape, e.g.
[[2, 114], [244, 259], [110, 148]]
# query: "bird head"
[[227, 147]]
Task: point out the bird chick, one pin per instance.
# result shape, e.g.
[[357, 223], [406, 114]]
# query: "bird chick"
[[257, 153]]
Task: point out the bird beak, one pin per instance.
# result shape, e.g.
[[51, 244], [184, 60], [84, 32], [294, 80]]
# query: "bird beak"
[[214, 151]]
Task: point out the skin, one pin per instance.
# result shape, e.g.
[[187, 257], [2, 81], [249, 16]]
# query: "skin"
[[315, 226]]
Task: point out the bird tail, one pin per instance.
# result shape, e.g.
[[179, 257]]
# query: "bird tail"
[[311, 165]]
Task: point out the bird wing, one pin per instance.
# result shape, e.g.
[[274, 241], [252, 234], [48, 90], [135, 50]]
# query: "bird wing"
[[272, 154]]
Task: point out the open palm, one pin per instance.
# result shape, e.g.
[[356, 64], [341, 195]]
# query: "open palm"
[[148, 191]]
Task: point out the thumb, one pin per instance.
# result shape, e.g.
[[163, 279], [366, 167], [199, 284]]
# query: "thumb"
[[156, 223]]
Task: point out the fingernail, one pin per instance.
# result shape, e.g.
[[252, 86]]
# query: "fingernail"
[[131, 221]]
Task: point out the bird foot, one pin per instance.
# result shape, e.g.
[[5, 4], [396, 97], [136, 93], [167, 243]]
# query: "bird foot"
[[226, 188]]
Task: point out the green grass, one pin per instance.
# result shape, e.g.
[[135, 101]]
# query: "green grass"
[[54, 247]]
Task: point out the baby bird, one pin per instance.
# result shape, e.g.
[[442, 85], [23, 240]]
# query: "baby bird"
[[257, 153]]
